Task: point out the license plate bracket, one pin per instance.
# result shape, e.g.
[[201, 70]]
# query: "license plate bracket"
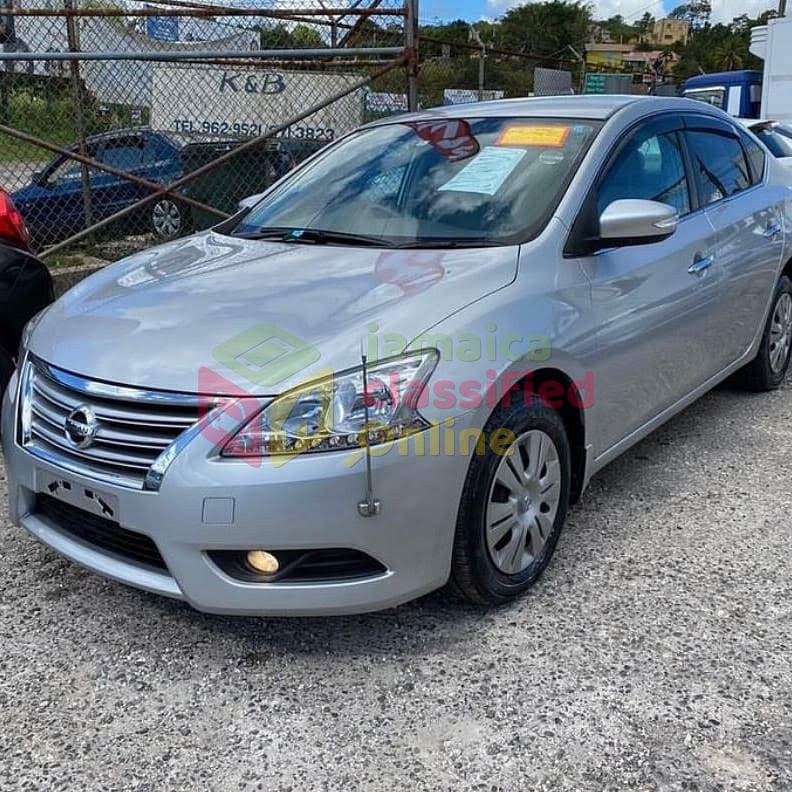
[[82, 496]]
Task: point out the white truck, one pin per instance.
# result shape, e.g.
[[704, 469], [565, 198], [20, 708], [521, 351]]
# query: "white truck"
[[750, 94], [773, 44]]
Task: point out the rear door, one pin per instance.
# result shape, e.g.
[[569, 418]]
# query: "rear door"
[[728, 169], [652, 302]]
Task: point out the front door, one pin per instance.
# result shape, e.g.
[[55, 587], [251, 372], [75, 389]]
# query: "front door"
[[651, 301]]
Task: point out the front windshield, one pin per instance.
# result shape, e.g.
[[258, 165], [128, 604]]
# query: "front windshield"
[[443, 182], [777, 137]]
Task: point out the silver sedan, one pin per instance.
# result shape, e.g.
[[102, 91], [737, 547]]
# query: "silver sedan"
[[398, 367]]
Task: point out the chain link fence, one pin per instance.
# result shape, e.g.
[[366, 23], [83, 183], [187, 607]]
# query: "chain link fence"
[[121, 125], [453, 73]]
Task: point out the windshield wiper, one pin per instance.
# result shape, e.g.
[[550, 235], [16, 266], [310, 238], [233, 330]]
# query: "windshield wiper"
[[317, 236], [449, 244]]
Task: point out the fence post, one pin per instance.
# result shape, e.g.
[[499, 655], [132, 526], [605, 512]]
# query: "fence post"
[[411, 51], [8, 38], [73, 40]]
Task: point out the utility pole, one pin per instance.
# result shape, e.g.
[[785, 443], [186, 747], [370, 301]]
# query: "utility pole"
[[582, 59], [474, 36], [782, 8]]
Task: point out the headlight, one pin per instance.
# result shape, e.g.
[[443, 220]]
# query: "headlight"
[[338, 412]]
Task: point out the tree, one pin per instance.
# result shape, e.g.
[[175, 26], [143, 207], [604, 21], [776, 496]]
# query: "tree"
[[275, 37], [643, 27], [697, 13], [307, 37], [730, 55], [717, 48], [618, 29], [547, 28]]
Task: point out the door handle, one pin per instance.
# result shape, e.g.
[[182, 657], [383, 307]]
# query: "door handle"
[[773, 230], [700, 265]]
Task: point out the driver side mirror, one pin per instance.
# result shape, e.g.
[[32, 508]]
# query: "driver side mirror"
[[634, 221]]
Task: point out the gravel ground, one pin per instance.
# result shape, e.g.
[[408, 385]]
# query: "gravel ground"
[[653, 655]]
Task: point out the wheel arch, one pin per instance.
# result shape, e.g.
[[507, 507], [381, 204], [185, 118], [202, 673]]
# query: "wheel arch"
[[787, 270], [574, 420]]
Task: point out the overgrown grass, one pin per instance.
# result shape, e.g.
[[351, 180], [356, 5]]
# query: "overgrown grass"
[[46, 110], [50, 118]]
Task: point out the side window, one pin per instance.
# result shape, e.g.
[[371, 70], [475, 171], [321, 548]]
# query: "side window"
[[68, 171], [124, 154], [756, 157], [649, 167], [719, 165], [151, 151]]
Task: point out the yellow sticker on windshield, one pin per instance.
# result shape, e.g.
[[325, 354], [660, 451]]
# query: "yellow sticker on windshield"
[[544, 136]]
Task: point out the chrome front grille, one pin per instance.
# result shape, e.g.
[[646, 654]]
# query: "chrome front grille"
[[133, 427]]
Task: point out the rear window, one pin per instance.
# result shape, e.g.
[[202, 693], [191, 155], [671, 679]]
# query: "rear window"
[[756, 157], [719, 165]]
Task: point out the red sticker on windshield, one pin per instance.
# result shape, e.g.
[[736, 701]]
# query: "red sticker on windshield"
[[452, 138]]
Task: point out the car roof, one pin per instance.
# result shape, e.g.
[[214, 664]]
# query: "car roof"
[[113, 133], [595, 107]]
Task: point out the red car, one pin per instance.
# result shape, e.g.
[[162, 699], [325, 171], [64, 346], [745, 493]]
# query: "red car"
[[25, 285]]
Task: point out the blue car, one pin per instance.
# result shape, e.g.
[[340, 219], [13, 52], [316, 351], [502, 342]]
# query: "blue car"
[[52, 204]]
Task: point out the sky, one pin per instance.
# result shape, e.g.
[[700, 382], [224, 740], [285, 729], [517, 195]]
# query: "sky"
[[722, 10]]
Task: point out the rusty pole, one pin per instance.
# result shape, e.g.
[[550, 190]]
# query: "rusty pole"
[[411, 53], [72, 37]]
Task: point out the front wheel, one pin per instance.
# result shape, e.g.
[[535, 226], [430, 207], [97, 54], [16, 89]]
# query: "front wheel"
[[768, 369], [513, 505], [168, 219]]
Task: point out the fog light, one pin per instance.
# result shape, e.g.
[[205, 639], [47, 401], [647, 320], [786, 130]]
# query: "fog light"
[[262, 561]]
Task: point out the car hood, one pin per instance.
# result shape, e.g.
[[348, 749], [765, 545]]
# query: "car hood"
[[157, 319]]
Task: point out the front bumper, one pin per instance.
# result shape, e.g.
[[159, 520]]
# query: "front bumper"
[[310, 502]]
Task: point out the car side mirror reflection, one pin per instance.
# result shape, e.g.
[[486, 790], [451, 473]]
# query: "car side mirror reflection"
[[634, 221]]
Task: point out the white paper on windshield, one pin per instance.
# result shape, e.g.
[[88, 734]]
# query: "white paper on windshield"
[[487, 171]]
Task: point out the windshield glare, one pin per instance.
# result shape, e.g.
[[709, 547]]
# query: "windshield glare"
[[431, 182]]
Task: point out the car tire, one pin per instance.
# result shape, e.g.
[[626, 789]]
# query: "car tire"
[[6, 371], [768, 369], [168, 219], [513, 507]]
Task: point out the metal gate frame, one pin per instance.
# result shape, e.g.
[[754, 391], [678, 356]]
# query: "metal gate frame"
[[406, 56]]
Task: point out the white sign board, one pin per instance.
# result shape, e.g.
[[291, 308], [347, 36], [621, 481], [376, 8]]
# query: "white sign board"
[[454, 96], [379, 102], [229, 103]]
